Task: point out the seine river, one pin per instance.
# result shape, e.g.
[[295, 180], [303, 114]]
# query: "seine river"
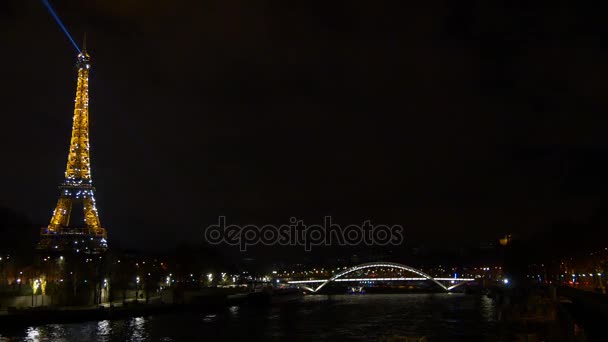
[[439, 317]]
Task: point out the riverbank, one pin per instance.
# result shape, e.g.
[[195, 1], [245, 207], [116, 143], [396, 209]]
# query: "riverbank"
[[197, 303], [538, 313], [48, 315]]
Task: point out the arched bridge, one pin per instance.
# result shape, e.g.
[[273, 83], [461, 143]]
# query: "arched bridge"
[[339, 277]]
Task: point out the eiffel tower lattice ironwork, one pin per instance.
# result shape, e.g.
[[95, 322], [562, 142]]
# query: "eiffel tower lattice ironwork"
[[75, 224]]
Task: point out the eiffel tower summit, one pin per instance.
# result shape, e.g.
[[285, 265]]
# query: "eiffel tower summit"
[[75, 225]]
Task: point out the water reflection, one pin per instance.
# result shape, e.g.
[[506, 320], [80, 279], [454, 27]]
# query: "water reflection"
[[488, 309], [234, 311], [209, 318], [104, 330], [138, 331], [336, 317], [33, 335], [57, 332]]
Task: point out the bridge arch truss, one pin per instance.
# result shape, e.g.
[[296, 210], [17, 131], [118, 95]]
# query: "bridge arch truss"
[[423, 275]]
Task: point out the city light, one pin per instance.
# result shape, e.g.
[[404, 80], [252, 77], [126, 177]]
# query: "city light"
[[291, 122]]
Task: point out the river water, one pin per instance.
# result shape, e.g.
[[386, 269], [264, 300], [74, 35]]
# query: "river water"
[[439, 317]]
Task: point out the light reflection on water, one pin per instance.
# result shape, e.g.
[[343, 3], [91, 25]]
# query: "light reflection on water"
[[320, 317], [488, 310], [138, 331], [209, 318], [32, 335], [234, 310], [104, 330]]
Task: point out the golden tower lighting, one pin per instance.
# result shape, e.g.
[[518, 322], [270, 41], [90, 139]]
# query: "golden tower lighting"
[[75, 224]]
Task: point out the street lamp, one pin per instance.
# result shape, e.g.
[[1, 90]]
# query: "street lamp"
[[136, 288], [35, 285]]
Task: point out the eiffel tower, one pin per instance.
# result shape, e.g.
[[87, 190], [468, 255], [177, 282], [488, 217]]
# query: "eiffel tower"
[[75, 225]]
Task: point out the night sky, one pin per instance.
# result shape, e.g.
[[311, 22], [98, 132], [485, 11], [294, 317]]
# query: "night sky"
[[460, 120]]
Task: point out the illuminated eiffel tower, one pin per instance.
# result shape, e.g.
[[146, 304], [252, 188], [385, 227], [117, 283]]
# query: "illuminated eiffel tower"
[[75, 225]]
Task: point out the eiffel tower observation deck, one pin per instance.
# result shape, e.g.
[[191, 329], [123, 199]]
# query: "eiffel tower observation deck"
[[75, 225]]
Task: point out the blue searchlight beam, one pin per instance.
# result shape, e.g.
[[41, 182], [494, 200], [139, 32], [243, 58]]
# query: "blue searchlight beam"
[[65, 30]]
